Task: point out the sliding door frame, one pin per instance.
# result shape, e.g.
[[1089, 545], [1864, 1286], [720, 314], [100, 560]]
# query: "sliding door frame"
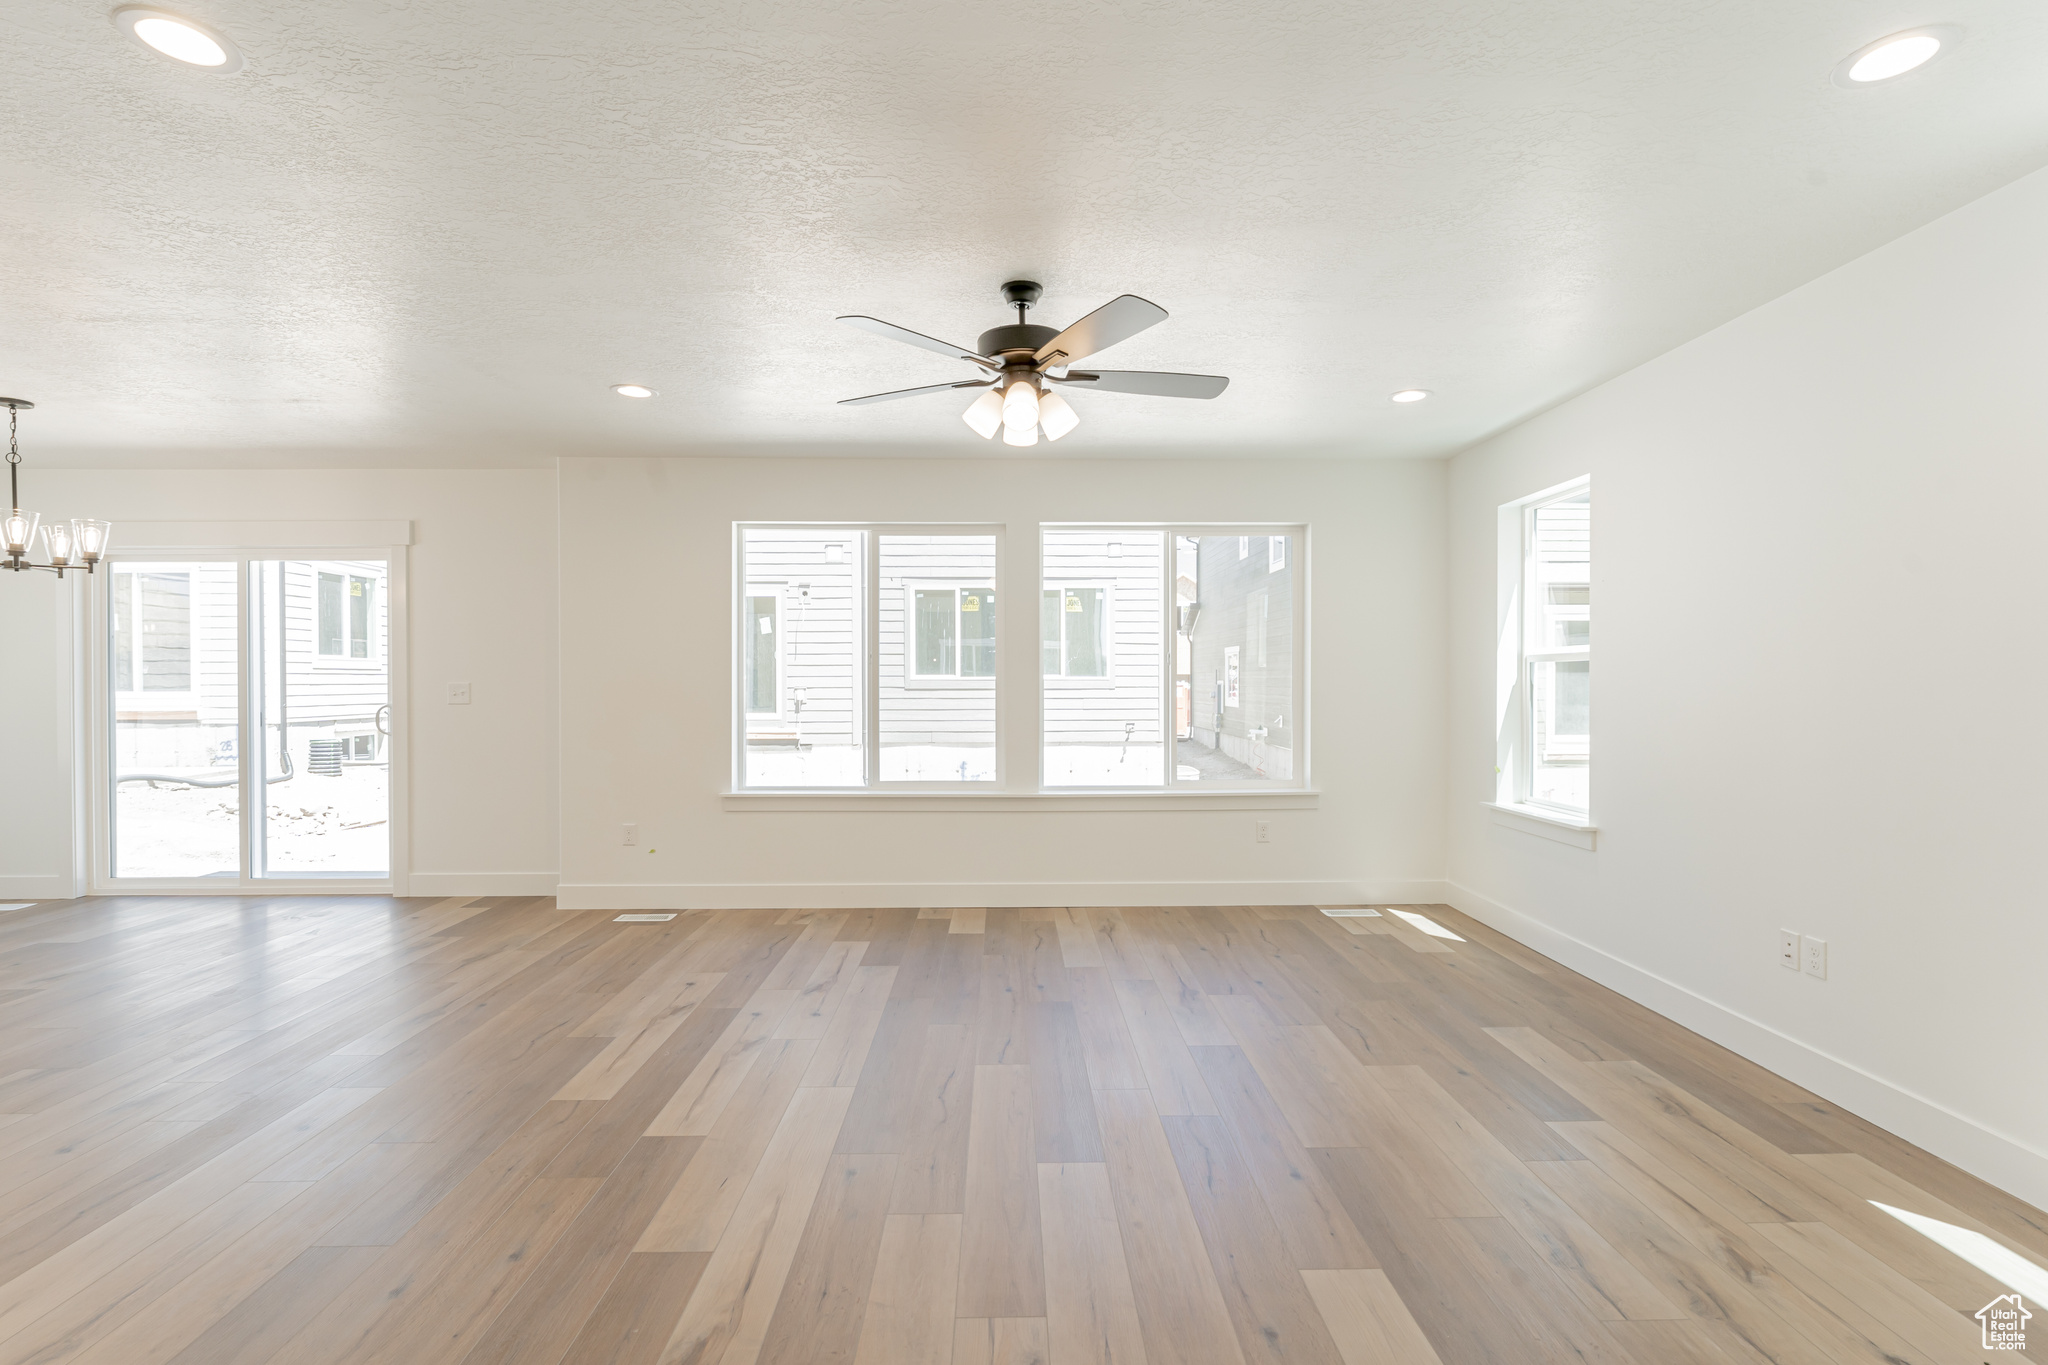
[[253, 758]]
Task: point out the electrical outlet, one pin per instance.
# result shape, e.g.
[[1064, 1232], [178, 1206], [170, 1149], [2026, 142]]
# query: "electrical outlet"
[[632, 835], [1261, 832], [458, 694], [1788, 950], [1816, 955]]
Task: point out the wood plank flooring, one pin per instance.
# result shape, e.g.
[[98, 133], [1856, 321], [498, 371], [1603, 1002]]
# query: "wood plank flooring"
[[336, 1131]]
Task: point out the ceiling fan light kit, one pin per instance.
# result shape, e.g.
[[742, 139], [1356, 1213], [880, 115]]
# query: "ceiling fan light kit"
[[1024, 361]]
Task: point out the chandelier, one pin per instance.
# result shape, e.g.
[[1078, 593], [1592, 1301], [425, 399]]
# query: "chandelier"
[[67, 544]]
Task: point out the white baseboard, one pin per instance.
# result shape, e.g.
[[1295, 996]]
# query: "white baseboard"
[[481, 884], [868, 895], [36, 889], [2004, 1161]]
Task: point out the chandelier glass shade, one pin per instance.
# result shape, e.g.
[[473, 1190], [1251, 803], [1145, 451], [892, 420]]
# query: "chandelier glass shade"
[[77, 544]]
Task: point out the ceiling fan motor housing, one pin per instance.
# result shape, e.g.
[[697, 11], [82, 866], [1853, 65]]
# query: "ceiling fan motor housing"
[[1022, 337]]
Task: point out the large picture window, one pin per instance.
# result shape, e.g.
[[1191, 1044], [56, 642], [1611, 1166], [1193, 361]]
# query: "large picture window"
[[1167, 656]]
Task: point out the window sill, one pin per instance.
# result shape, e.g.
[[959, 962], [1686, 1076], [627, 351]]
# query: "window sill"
[[1543, 824], [996, 802]]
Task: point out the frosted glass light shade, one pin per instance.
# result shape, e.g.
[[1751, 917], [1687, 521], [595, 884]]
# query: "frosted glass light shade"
[[1020, 436], [985, 413], [58, 538], [1056, 415], [18, 531], [1020, 405], [92, 537]]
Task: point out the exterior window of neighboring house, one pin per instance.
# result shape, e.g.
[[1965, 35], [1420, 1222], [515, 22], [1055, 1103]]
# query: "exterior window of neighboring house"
[[1276, 553], [1555, 676], [955, 630], [1244, 547], [762, 651], [1075, 632], [345, 614], [151, 620]]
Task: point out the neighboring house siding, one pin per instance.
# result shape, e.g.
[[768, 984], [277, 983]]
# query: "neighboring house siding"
[[1096, 710], [1246, 604]]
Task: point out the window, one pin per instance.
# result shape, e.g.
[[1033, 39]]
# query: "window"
[[955, 632], [1550, 752], [1109, 645], [761, 647], [866, 656], [346, 614], [1076, 622], [150, 619]]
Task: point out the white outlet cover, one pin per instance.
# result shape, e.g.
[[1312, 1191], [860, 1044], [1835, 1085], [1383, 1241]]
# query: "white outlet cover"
[[641, 919], [1815, 951]]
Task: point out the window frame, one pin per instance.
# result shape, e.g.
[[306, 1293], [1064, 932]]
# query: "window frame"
[[1300, 533], [911, 588], [1020, 684], [1107, 587], [347, 571], [865, 544], [1522, 651], [777, 589]]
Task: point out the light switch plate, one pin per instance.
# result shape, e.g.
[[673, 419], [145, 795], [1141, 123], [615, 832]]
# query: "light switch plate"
[[1788, 950], [1816, 956], [458, 694]]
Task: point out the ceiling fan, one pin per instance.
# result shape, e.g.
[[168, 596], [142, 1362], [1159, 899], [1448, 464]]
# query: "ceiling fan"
[[1027, 361]]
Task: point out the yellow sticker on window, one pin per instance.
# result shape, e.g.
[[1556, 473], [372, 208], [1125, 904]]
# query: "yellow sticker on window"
[[971, 604], [355, 587], [1073, 603]]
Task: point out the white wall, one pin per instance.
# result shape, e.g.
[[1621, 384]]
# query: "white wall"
[[1819, 684], [647, 691], [482, 585]]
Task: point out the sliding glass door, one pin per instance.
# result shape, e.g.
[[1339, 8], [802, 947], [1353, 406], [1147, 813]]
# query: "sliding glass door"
[[249, 733]]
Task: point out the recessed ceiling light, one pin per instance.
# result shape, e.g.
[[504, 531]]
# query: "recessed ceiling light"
[[182, 40], [1888, 58], [1411, 395], [632, 391]]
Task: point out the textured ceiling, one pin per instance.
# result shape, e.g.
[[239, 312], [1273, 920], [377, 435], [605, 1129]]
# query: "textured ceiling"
[[434, 232]]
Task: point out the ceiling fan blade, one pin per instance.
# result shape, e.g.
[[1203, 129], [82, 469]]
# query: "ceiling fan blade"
[[1156, 382], [910, 338], [907, 393], [1122, 317]]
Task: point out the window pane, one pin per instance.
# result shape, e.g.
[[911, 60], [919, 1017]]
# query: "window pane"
[[1049, 632], [1236, 623], [165, 621], [938, 696], [1560, 728], [360, 596], [1104, 697], [330, 613], [327, 804], [121, 620], [177, 792], [816, 736], [977, 633], [760, 649], [935, 612], [1563, 590]]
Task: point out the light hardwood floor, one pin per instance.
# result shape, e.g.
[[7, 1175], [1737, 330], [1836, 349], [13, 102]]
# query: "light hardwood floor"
[[342, 1130]]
